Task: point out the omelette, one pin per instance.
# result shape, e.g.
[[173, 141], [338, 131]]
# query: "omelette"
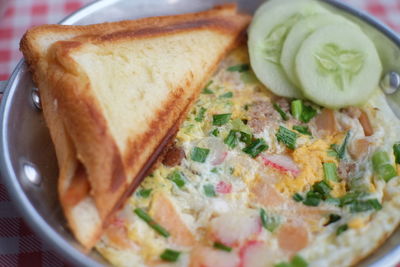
[[253, 179]]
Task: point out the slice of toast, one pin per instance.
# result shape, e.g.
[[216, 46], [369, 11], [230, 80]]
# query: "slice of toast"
[[113, 96]]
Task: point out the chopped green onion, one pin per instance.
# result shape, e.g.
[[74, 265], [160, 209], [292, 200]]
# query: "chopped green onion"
[[382, 166], [214, 170], [396, 151], [307, 113], [206, 89], [270, 222], [342, 149], [365, 205], [231, 170], [332, 219], [256, 147], [215, 132], [153, 224], [298, 261], [221, 246], [239, 125], [209, 190], [200, 115], [312, 199], [303, 129], [245, 138], [350, 198], [170, 255], [333, 201], [226, 95], [283, 264], [144, 193], [332, 153], [341, 229], [323, 188], [239, 68], [330, 171], [177, 177], [281, 112], [221, 119], [297, 197], [287, 137], [297, 108], [199, 154], [231, 139]]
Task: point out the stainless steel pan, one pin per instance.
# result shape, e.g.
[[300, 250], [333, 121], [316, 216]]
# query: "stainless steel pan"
[[28, 164]]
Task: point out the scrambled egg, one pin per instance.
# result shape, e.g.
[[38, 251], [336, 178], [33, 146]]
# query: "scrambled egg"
[[276, 199]]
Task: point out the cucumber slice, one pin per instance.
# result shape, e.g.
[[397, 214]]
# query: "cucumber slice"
[[338, 66], [299, 33], [267, 33]]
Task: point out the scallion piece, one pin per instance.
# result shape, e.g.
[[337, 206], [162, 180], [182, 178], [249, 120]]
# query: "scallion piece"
[[239, 68], [153, 224], [382, 166], [284, 116], [177, 177], [221, 246], [170, 255], [245, 138], [341, 229], [323, 188], [365, 205], [307, 113], [221, 119], [269, 221], [396, 151], [199, 154], [200, 115], [332, 219], [297, 108], [287, 137], [226, 95], [144, 193], [256, 147], [312, 199], [207, 90], [298, 261], [303, 129], [297, 197], [215, 132], [231, 139], [342, 149], [209, 190], [330, 171]]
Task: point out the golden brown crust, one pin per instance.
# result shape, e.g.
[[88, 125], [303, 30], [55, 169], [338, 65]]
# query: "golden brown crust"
[[78, 126]]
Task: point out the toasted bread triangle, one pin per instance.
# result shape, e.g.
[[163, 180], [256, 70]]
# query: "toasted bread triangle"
[[113, 96]]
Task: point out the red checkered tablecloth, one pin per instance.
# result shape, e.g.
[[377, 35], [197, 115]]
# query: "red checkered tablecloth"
[[18, 245]]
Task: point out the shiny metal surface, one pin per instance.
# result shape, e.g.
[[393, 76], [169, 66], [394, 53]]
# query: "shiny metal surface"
[[36, 98], [25, 141], [390, 83]]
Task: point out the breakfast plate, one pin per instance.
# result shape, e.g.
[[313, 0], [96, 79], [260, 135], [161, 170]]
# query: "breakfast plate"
[[28, 162]]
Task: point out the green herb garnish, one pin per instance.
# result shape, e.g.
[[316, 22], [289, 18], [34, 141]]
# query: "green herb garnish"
[[332, 219], [199, 154], [383, 168], [341, 150], [239, 68], [330, 171], [303, 129], [153, 224], [177, 177], [307, 114], [200, 115], [221, 246], [209, 190], [297, 261], [323, 188], [297, 108], [284, 116], [207, 90], [144, 193], [287, 137], [312, 199], [231, 139], [297, 197], [221, 119], [365, 205], [270, 222], [215, 132], [245, 138], [170, 255], [396, 151], [341, 229], [226, 95], [256, 147]]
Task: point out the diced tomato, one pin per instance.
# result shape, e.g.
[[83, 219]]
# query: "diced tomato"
[[224, 187]]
